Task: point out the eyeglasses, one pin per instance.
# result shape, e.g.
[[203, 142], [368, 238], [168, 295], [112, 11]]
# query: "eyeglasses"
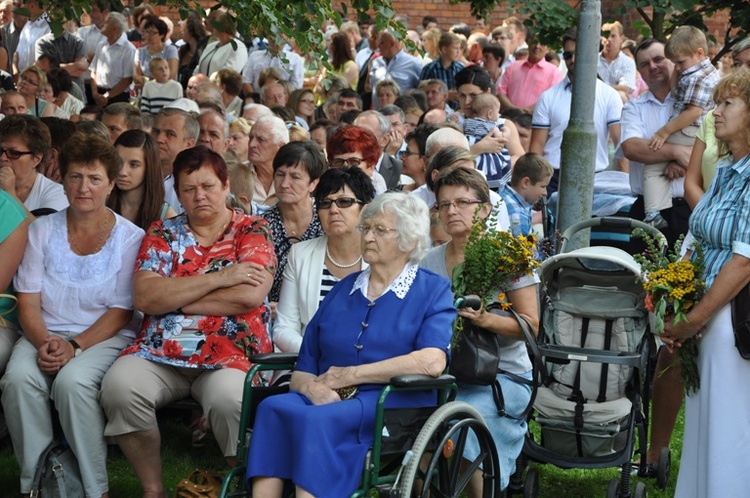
[[29, 81], [14, 154], [407, 153], [307, 101], [567, 55], [341, 202], [349, 161], [377, 230], [458, 203], [150, 32]]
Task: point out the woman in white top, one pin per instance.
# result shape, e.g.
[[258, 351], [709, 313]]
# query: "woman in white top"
[[24, 142], [75, 310], [315, 266], [155, 45], [226, 51]]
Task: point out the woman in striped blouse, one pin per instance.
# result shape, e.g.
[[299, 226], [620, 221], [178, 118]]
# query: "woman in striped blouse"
[[315, 266], [717, 418]]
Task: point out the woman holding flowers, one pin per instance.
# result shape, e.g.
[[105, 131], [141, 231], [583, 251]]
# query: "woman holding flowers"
[[717, 418], [463, 198]]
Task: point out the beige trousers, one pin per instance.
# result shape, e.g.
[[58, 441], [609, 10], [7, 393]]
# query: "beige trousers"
[[134, 388]]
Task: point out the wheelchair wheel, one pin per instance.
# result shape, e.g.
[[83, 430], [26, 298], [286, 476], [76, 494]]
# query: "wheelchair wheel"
[[442, 440]]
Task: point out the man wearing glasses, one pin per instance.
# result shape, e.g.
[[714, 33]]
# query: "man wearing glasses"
[[552, 113]]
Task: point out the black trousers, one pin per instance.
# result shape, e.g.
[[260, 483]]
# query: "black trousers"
[[677, 217]]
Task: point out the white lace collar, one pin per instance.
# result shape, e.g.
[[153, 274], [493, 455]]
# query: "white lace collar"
[[400, 286]]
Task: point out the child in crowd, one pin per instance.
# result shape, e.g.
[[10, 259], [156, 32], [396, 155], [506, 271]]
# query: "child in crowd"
[[161, 90], [687, 49], [485, 108], [437, 232], [241, 186], [528, 184]]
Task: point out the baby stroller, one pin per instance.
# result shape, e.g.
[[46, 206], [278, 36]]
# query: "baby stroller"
[[596, 349]]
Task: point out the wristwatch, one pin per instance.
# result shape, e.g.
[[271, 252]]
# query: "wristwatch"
[[76, 348]]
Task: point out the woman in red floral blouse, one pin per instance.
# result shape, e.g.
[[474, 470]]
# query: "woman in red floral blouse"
[[201, 279]]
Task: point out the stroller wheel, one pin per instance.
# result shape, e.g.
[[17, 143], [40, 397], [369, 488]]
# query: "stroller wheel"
[[640, 490], [613, 489], [531, 484], [664, 468]]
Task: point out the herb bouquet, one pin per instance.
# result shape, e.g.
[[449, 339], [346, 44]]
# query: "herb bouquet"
[[492, 260], [673, 286]]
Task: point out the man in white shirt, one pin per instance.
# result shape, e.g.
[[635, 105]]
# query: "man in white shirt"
[[174, 130], [112, 67], [614, 67], [552, 113], [641, 118], [34, 29], [289, 64], [92, 36]]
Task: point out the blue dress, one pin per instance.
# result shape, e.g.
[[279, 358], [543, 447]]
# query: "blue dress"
[[322, 448]]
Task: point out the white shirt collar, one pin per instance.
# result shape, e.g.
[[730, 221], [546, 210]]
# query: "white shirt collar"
[[400, 286]]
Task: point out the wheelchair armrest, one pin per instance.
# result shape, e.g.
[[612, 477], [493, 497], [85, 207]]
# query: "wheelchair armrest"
[[425, 381], [273, 358]]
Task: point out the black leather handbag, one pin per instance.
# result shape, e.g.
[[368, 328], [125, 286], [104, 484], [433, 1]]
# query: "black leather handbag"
[[474, 359]]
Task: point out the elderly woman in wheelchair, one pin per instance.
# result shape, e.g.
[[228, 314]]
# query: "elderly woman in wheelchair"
[[392, 319]]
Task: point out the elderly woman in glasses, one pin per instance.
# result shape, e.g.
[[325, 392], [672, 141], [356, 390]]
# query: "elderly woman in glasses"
[[393, 318], [356, 146], [315, 266]]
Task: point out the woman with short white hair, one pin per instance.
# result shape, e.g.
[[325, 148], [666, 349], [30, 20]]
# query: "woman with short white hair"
[[393, 318]]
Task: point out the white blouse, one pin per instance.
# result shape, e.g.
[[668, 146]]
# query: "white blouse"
[[77, 290]]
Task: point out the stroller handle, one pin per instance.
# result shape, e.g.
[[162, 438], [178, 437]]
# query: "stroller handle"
[[471, 301], [613, 222]]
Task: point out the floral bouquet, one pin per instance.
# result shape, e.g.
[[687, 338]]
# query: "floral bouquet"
[[492, 260], [673, 286]]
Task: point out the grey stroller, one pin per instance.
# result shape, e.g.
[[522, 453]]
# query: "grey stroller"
[[596, 347]]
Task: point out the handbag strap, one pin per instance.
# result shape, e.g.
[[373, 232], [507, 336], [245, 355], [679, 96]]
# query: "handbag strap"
[[3, 322], [59, 472], [44, 460], [538, 374]]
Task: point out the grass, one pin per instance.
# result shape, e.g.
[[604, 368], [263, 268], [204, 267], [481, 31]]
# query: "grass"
[[179, 458]]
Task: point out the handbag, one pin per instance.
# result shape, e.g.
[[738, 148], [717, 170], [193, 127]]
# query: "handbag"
[[199, 484], [57, 474], [475, 358], [741, 321]]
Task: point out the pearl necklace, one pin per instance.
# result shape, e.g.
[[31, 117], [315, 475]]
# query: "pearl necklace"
[[335, 263]]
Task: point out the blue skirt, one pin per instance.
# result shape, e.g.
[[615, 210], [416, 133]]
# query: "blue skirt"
[[320, 448], [508, 433]]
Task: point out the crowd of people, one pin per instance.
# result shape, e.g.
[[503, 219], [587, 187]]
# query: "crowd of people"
[[176, 199]]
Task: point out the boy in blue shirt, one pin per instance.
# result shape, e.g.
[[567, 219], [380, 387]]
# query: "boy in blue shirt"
[[528, 184]]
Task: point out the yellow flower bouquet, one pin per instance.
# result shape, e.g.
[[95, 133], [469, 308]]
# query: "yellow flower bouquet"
[[492, 260], [673, 285]]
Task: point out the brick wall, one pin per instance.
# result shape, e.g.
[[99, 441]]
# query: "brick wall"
[[448, 14]]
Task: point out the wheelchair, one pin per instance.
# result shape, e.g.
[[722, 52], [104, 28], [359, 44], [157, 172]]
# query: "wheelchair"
[[421, 454]]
